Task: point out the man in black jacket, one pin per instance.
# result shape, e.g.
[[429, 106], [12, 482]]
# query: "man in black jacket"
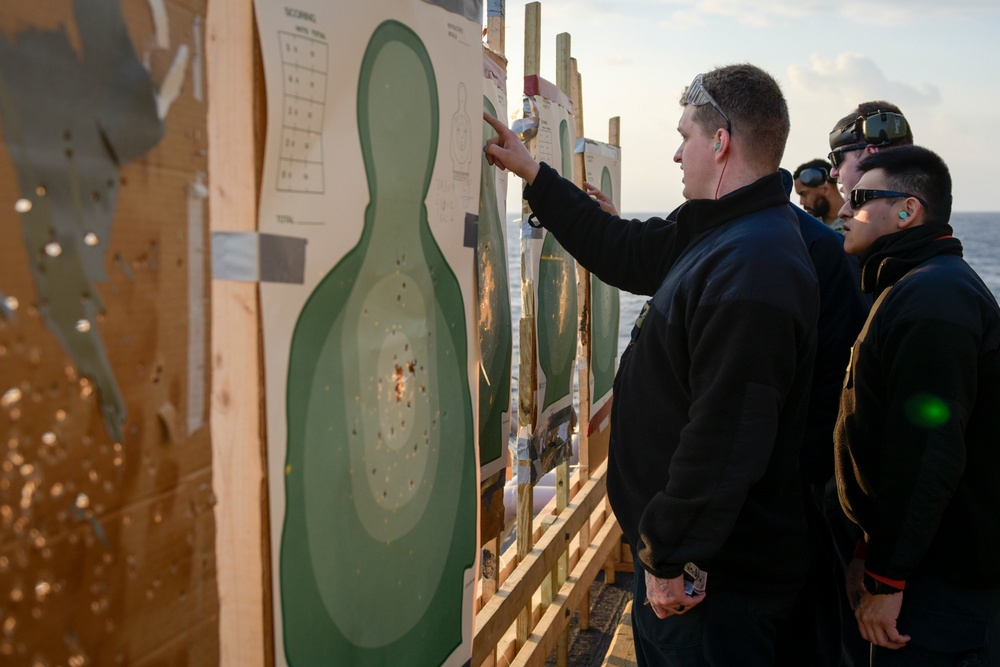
[[917, 435], [712, 391]]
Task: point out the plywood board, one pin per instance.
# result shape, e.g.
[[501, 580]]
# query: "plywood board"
[[552, 271], [106, 525], [602, 164]]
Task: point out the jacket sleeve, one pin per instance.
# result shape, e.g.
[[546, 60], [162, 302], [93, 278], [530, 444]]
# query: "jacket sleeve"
[[625, 254], [746, 354], [929, 365]]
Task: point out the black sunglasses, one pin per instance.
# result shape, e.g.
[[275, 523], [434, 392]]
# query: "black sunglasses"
[[860, 196], [836, 156], [813, 177]]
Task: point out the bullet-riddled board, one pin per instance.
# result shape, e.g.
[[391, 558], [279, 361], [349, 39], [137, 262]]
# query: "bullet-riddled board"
[[602, 166], [494, 317], [107, 536], [552, 271], [372, 165]]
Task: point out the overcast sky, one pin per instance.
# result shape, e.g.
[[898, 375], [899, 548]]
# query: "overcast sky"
[[938, 61]]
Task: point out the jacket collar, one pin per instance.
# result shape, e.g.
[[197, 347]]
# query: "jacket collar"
[[892, 256], [697, 216]]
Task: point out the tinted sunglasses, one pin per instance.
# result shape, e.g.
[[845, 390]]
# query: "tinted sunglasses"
[[813, 177], [860, 197], [836, 156], [696, 95]]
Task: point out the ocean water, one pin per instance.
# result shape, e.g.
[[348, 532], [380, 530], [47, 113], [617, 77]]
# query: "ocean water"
[[979, 233]]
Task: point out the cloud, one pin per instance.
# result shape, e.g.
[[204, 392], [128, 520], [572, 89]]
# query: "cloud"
[[763, 13], [851, 78]]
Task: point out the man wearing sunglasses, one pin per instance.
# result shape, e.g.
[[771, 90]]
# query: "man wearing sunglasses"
[[818, 194], [711, 393], [917, 460], [866, 130]]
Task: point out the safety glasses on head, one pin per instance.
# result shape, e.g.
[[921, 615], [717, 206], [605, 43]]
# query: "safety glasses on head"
[[878, 129], [814, 177], [696, 95], [860, 196], [836, 156]]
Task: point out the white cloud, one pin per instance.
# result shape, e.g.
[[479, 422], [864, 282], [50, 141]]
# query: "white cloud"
[[762, 13], [851, 78]]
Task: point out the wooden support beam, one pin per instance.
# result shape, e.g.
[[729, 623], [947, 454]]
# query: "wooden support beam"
[[496, 30], [532, 38], [550, 626], [565, 80], [516, 592], [238, 477], [526, 367]]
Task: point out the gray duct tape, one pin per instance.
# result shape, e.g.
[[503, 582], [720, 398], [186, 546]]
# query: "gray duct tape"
[[471, 230], [282, 259], [248, 256], [495, 8], [591, 147]]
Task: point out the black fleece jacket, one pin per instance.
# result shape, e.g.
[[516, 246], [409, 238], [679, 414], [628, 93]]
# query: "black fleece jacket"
[[712, 391], [918, 435]]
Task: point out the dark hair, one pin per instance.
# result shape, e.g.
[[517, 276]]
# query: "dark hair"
[[866, 109], [754, 102], [816, 164], [917, 171]]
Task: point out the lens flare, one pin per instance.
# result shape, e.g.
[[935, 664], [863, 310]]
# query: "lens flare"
[[927, 411]]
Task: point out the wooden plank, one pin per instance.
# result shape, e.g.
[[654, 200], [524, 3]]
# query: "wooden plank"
[[526, 367], [532, 38], [621, 652], [496, 32], [515, 593], [237, 447], [557, 616]]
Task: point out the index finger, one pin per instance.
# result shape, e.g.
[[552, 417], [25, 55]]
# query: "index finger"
[[496, 124]]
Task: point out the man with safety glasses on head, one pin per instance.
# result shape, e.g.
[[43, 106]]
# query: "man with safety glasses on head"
[[818, 194], [917, 456], [866, 130], [712, 391]]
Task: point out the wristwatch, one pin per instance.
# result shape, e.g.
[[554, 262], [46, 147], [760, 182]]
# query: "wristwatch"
[[876, 587]]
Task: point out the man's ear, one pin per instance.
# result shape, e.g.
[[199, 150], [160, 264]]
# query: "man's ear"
[[721, 144]]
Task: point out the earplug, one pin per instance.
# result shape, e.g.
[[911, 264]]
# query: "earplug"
[[903, 215]]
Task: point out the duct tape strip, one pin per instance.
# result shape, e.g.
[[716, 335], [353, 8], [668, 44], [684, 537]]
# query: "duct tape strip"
[[523, 457], [591, 147], [252, 257], [197, 302], [161, 24], [530, 232], [471, 230], [495, 8]]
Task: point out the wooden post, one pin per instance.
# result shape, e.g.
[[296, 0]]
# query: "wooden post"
[[564, 79], [496, 30], [526, 376], [237, 447], [583, 364]]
